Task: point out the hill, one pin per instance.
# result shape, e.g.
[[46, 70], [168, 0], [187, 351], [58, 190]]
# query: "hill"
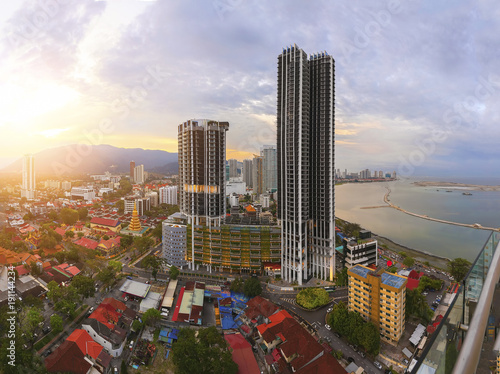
[[85, 159]]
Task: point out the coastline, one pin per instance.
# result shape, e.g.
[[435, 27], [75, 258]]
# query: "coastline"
[[420, 256], [461, 186]]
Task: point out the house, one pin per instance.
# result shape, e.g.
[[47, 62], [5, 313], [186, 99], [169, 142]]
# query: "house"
[[109, 325], [241, 350], [291, 347], [78, 354], [87, 243]]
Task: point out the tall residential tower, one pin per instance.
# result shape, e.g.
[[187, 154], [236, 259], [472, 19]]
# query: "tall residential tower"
[[305, 140], [29, 180], [202, 160]]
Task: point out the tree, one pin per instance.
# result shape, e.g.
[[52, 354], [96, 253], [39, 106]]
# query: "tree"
[[174, 272], [203, 354], [342, 278], [312, 298], [83, 285], [69, 234], [403, 254], [136, 325], [142, 243], [80, 234], [55, 292], [48, 242], [252, 287], [126, 241], [352, 229], [458, 268], [60, 256], [151, 316], [53, 215], [82, 213], [416, 306], [28, 216], [120, 204], [409, 261], [237, 285], [56, 322], [124, 367], [157, 231], [107, 275], [152, 262], [29, 320], [115, 265], [69, 216]]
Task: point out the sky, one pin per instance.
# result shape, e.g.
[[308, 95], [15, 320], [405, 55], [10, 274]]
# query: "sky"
[[415, 91]]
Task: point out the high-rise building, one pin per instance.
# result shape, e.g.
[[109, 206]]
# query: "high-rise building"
[[141, 204], [139, 174], [132, 168], [305, 137], [379, 297], [174, 230], [202, 160], [233, 168], [269, 168], [29, 179], [168, 195], [248, 172], [258, 175]]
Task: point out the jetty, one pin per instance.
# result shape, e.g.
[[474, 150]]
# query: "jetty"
[[476, 226]]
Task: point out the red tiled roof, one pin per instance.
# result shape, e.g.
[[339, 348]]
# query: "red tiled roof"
[[60, 231], [67, 358], [242, 354], [85, 343], [87, 243], [250, 209], [105, 222], [21, 270], [259, 306], [73, 270], [324, 364]]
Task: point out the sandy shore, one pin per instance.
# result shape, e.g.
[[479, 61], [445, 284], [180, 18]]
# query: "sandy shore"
[[461, 186]]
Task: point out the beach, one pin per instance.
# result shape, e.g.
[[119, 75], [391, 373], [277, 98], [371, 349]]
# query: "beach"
[[453, 185]]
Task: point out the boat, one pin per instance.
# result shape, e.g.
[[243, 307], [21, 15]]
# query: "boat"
[[466, 193], [449, 191]]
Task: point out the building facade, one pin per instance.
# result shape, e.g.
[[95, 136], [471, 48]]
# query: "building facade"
[[168, 195], [132, 171], [202, 161], [139, 174], [143, 204], [248, 172], [28, 189], [233, 168], [258, 175], [269, 168], [362, 252], [82, 193], [236, 248], [174, 243], [379, 297], [305, 148]]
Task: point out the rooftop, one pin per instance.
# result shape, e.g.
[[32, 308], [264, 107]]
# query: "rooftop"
[[360, 270], [393, 280]]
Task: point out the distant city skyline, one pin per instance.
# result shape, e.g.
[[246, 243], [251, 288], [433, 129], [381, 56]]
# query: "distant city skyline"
[[417, 82]]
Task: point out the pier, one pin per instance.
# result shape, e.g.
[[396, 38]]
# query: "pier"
[[476, 226]]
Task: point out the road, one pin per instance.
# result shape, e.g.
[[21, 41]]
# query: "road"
[[315, 320]]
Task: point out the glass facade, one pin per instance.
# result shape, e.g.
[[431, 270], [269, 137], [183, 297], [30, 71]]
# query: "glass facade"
[[441, 352]]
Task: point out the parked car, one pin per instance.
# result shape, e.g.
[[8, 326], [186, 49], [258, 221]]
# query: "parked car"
[[329, 310], [378, 365], [328, 327], [362, 354], [336, 334]]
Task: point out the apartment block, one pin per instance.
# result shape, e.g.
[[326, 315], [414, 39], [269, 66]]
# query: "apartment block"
[[360, 252], [379, 297]]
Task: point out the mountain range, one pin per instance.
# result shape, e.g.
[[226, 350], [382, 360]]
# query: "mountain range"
[[96, 159]]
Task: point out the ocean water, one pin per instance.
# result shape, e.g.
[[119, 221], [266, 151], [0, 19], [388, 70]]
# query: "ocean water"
[[441, 239]]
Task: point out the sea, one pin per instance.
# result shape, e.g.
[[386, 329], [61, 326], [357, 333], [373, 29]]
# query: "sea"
[[449, 241]]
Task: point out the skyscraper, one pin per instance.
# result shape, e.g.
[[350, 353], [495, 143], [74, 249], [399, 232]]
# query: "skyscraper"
[[248, 173], [29, 180], [132, 167], [139, 174], [305, 139], [202, 160], [233, 168], [257, 175], [269, 168]]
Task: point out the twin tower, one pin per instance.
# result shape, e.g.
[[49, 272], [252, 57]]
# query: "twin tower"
[[305, 148]]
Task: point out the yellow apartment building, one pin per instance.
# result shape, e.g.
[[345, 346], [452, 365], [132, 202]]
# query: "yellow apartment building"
[[379, 297]]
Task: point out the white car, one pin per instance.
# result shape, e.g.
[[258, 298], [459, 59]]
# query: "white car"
[[378, 365], [329, 310], [328, 327]]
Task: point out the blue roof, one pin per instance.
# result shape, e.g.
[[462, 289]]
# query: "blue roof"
[[392, 280], [360, 270]]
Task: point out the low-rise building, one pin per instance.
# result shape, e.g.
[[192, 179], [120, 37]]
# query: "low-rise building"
[[360, 252]]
